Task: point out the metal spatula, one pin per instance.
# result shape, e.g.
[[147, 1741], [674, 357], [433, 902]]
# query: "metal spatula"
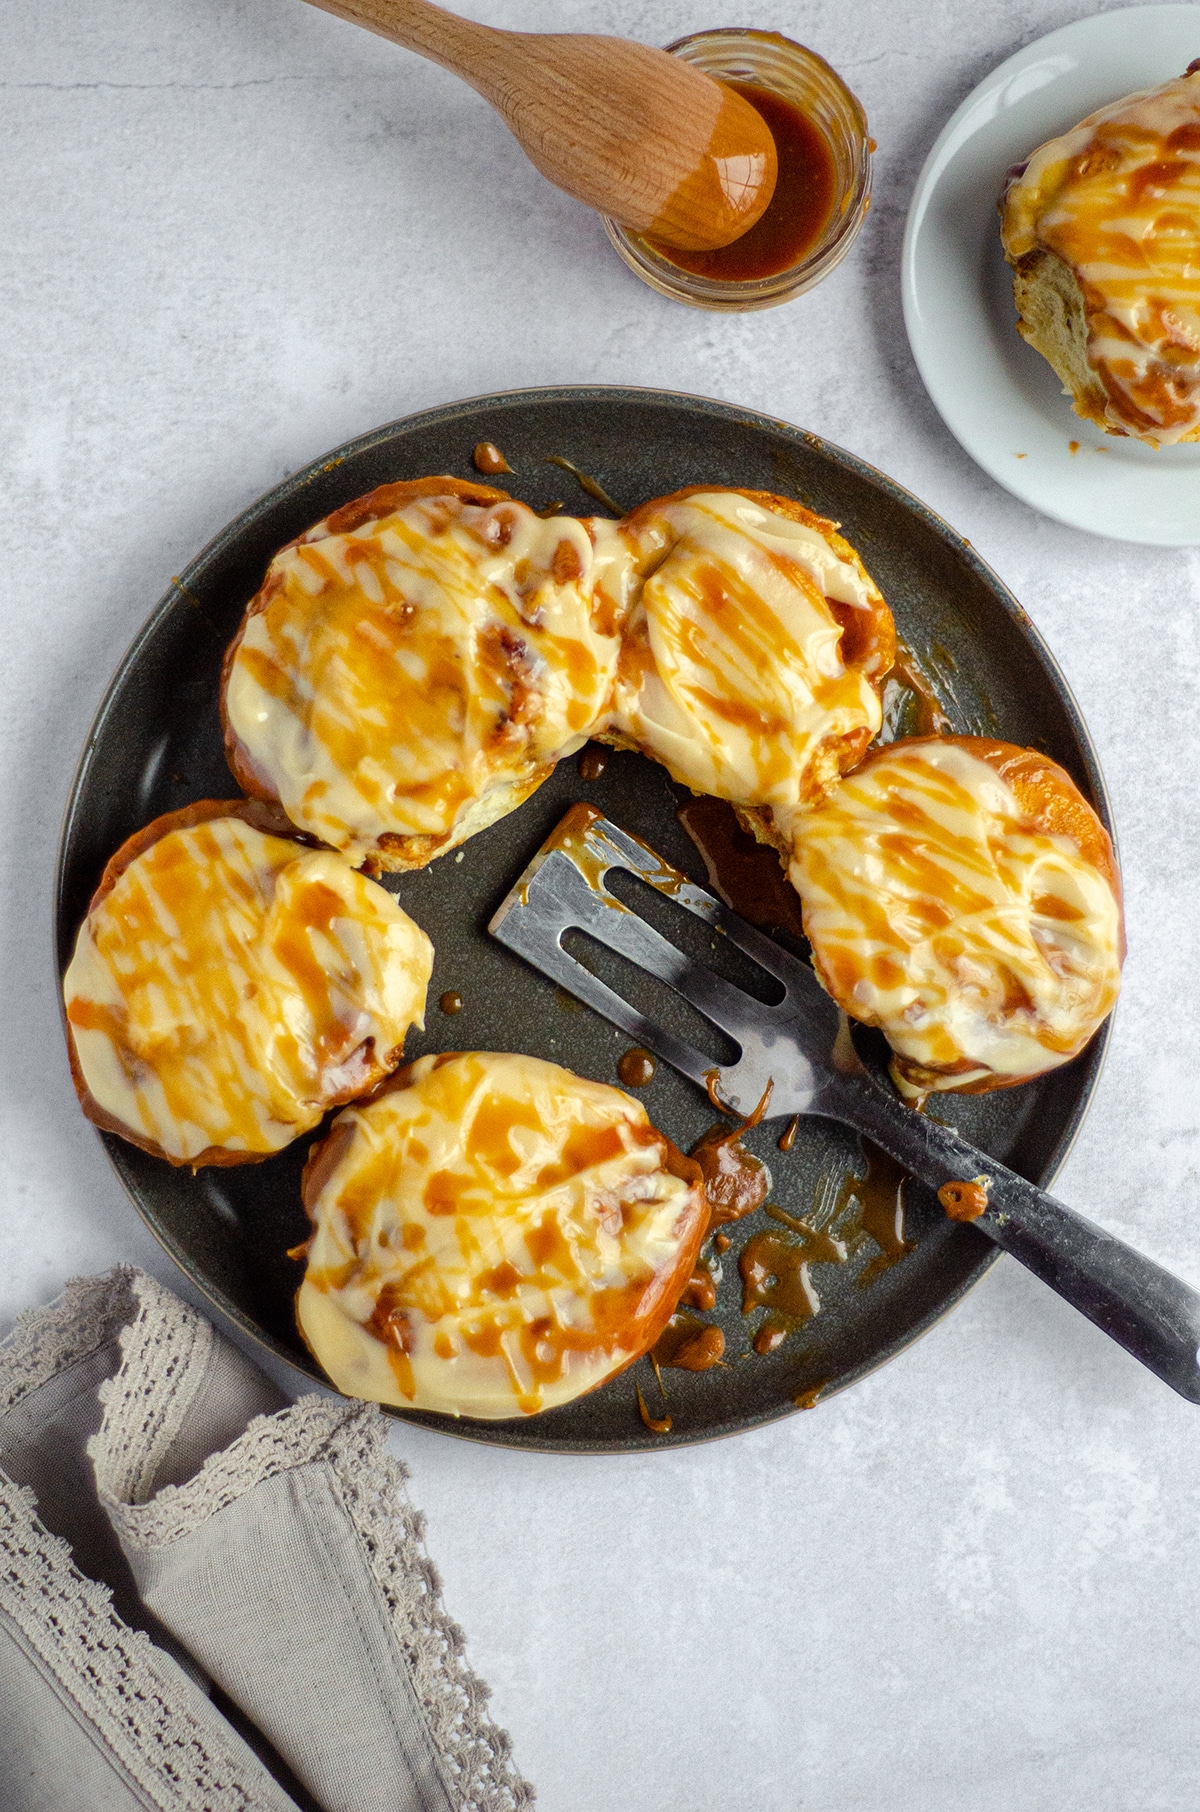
[[803, 1046]]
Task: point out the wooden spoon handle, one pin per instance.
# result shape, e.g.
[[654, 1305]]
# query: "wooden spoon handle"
[[623, 127], [457, 44]]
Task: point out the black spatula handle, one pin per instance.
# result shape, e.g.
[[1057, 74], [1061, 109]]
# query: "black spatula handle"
[[1152, 1314]]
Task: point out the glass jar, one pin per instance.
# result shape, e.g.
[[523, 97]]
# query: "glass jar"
[[771, 61]]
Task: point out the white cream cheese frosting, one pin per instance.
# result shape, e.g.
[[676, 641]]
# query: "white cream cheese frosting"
[[493, 1236], [733, 672], [232, 985], [1118, 200], [987, 947], [417, 674]]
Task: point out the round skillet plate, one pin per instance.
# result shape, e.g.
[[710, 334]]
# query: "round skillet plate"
[[998, 396], [156, 745]]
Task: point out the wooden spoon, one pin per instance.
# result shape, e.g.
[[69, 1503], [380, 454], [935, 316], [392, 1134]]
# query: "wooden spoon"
[[631, 131]]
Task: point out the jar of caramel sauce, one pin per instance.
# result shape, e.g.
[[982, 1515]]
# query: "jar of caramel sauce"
[[821, 196]]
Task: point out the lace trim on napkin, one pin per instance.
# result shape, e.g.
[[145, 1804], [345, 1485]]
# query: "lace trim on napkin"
[[105, 1671], [75, 1325], [146, 1402]]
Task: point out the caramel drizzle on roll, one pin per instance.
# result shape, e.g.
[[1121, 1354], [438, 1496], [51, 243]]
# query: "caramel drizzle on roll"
[[962, 895], [752, 659], [397, 667], [1118, 200], [228, 986], [493, 1236]]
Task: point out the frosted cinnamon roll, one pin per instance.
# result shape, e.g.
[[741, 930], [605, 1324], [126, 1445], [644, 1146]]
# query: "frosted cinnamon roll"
[[493, 1236], [414, 665], [963, 896], [755, 653], [1102, 229], [229, 985]]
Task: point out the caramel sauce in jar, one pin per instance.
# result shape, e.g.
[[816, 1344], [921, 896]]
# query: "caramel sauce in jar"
[[799, 210]]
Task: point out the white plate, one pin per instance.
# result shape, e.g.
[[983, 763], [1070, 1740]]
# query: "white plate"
[[995, 394]]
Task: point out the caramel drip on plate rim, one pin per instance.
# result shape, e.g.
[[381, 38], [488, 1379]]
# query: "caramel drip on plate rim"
[[659, 1425]]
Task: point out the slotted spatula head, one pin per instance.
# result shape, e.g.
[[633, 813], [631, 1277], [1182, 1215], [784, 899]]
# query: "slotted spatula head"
[[799, 1043]]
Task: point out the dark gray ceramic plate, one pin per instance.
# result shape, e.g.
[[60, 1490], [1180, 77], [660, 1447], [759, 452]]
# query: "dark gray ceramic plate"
[[156, 745]]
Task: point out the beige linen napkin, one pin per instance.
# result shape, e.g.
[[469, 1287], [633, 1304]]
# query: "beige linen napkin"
[[193, 1570]]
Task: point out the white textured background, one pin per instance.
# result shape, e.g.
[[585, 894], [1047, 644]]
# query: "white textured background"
[[236, 232]]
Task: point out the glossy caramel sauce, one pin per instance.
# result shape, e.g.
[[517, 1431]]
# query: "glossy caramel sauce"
[[593, 761], [847, 1211], [636, 1067], [700, 1290], [929, 715], [787, 1137], [488, 459], [808, 1399], [656, 1424], [879, 1196], [689, 1345], [964, 1201], [721, 1242], [731, 184], [775, 1276], [735, 1181], [451, 1001], [746, 874], [590, 485], [798, 212], [576, 837]]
